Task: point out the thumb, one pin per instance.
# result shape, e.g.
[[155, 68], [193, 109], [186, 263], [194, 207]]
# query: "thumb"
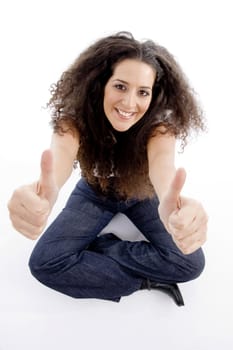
[[176, 187], [46, 183]]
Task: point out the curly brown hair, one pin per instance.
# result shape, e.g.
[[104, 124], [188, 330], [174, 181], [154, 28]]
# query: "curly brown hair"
[[116, 162]]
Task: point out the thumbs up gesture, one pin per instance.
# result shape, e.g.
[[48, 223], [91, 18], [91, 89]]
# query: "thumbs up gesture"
[[30, 205], [184, 218]]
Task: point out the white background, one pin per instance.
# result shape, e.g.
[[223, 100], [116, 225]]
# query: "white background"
[[39, 39]]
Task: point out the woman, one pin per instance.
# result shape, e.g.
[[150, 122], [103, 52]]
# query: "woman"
[[118, 111]]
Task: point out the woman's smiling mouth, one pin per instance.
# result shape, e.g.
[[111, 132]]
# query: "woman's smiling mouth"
[[125, 115]]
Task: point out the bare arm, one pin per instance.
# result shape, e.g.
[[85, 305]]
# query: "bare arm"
[[161, 158], [184, 218], [30, 205], [64, 150]]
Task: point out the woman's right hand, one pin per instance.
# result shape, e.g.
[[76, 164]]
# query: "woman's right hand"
[[30, 205]]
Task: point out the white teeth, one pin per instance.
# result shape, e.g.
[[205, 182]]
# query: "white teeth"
[[125, 114]]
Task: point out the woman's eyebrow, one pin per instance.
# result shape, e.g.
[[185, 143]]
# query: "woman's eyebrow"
[[125, 82], [122, 81]]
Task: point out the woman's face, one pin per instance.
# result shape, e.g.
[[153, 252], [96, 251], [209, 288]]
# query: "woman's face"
[[128, 93]]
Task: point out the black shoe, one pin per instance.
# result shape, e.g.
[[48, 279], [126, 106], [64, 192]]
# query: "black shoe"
[[170, 289]]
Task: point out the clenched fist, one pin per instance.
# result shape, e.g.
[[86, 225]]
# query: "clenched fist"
[[184, 218], [30, 205]]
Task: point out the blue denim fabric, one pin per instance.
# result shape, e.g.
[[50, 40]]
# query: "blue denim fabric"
[[72, 258]]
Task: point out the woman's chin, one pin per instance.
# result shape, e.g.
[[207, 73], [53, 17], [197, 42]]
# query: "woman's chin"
[[122, 126]]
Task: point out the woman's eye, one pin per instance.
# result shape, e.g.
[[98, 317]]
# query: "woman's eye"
[[120, 87], [144, 93]]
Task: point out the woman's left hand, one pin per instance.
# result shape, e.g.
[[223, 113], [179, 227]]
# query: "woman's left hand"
[[184, 218]]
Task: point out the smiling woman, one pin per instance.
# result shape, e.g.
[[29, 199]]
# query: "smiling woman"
[[127, 95], [79, 100], [118, 111]]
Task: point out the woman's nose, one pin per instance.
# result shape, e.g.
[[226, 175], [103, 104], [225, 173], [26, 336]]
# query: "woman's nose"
[[130, 100]]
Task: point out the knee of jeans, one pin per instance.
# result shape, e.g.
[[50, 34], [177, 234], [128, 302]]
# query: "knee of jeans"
[[34, 265], [195, 264], [39, 267]]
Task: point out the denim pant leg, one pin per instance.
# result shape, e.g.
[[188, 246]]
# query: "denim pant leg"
[[158, 258], [61, 259]]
